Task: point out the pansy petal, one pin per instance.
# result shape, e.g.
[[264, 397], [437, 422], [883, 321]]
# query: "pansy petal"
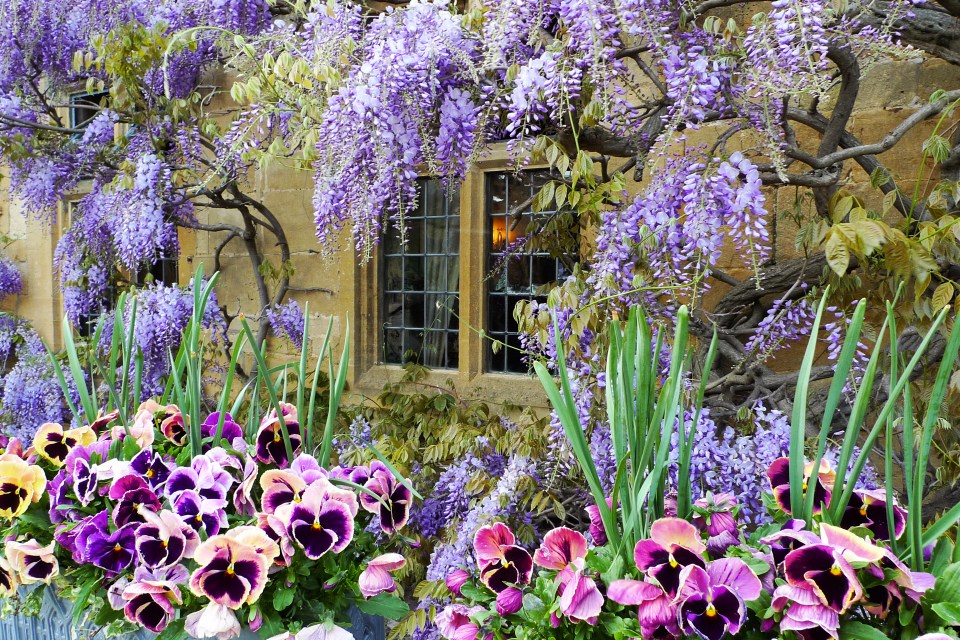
[[734, 573], [560, 547], [676, 532]]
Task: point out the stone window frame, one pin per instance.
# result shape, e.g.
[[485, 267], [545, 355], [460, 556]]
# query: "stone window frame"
[[471, 378]]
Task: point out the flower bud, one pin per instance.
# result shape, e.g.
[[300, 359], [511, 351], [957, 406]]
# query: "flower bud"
[[509, 601], [456, 579]]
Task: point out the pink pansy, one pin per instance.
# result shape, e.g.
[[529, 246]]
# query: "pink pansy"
[[565, 550], [229, 573], [276, 529], [656, 609], [673, 545], [454, 622], [213, 621], [502, 563], [489, 541], [804, 613], [280, 488], [376, 577], [141, 429]]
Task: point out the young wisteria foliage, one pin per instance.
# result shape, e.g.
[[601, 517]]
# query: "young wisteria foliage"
[[608, 92]]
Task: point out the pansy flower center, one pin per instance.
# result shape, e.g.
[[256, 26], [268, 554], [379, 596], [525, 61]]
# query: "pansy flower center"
[[863, 511], [117, 548], [317, 526], [673, 563], [711, 611], [835, 570], [150, 473], [230, 570]]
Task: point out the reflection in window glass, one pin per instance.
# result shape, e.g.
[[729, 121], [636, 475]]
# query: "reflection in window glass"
[[422, 282], [524, 273]]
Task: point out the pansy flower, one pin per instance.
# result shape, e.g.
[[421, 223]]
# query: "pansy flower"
[[712, 600], [779, 476], [85, 482], [205, 475], [10, 446], [213, 621], [805, 613], [112, 552], [151, 466], [21, 484], [53, 444], [792, 535], [454, 622], [376, 577], [164, 539], [8, 579], [673, 545], [656, 609], [319, 523], [256, 539], [201, 514], [150, 599], [502, 563], [229, 430], [103, 420], [280, 488], [172, 424], [276, 530], [597, 532], [456, 579], [868, 509], [565, 551], [141, 429], [715, 516], [393, 507], [229, 573], [31, 562], [134, 498], [270, 444]]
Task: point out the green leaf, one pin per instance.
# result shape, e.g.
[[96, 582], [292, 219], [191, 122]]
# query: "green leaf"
[[949, 612], [838, 255], [173, 630], [282, 598], [947, 587], [853, 630], [384, 605]]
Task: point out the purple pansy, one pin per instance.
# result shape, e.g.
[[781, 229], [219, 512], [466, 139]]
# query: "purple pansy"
[[112, 552], [201, 514], [151, 467], [393, 507], [320, 523], [164, 539], [270, 445]]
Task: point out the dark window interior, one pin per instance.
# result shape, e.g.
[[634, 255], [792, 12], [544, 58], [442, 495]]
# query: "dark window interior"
[[420, 304], [516, 273], [85, 106]]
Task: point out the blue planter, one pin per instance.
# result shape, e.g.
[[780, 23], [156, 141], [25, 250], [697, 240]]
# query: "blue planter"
[[54, 623]]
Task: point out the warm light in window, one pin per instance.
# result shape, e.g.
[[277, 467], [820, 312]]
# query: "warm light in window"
[[504, 233]]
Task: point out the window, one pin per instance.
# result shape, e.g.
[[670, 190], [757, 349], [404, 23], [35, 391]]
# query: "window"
[[422, 282], [514, 272], [84, 107]]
